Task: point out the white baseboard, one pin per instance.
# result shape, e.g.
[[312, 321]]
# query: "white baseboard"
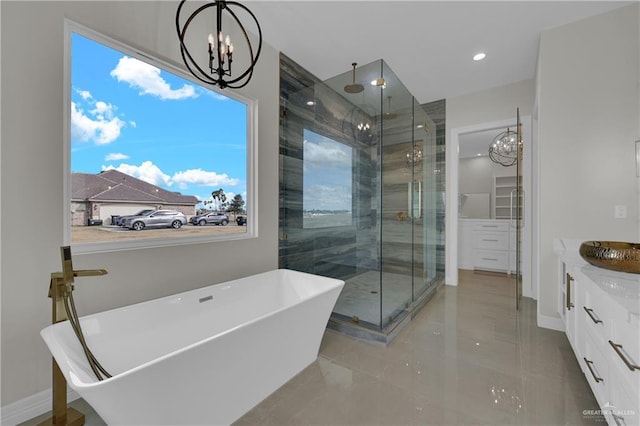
[[30, 407], [553, 323]]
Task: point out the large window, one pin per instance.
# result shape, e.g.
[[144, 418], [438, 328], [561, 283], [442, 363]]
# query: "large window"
[[327, 182], [154, 158]]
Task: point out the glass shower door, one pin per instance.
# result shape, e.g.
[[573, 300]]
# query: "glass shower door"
[[396, 233], [517, 213], [424, 201]]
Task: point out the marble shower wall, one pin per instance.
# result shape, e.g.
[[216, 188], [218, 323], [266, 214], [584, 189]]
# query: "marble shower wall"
[[340, 251]]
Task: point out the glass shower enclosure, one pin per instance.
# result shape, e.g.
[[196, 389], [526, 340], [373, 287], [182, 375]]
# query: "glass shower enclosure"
[[358, 193]]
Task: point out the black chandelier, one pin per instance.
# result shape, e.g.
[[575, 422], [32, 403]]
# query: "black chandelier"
[[220, 48]]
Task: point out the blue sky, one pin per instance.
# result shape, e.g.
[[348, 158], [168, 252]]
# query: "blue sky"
[[153, 125]]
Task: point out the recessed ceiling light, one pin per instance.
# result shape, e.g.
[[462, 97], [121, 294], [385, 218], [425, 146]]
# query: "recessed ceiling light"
[[379, 82], [479, 56], [479, 154], [310, 103]]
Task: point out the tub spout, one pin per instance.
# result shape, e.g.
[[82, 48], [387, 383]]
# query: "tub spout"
[[89, 272]]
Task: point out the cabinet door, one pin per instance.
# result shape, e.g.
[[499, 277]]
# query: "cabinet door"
[[465, 244], [570, 306]]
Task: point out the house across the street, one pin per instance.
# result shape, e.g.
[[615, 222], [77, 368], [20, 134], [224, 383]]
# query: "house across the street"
[[99, 197]]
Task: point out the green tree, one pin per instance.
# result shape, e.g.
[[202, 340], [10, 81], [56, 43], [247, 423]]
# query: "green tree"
[[237, 205]]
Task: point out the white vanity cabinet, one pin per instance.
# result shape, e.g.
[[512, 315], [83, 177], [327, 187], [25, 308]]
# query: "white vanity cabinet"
[[601, 313], [486, 244]]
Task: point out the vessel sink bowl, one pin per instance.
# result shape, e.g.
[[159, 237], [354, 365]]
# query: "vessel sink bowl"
[[613, 255]]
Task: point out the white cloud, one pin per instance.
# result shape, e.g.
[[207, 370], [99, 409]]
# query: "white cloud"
[[147, 79], [133, 124], [99, 126], [147, 171], [103, 110], [327, 153], [84, 94], [203, 178], [115, 156]]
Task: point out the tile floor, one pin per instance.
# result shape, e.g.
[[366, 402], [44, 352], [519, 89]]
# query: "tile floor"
[[467, 358]]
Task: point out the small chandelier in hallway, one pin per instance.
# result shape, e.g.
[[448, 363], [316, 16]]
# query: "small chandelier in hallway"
[[220, 48], [414, 157], [504, 148]]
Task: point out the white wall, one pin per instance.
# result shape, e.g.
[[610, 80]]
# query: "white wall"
[[32, 190], [588, 122], [498, 103], [476, 174]]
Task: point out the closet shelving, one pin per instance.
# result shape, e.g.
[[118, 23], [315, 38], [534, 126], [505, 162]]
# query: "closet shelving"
[[504, 197]]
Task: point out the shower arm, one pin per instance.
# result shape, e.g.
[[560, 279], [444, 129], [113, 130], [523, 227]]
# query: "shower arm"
[[60, 288]]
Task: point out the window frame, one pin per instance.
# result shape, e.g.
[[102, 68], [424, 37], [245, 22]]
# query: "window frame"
[[251, 200]]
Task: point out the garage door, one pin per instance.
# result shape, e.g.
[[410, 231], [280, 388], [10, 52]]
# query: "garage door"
[[108, 210]]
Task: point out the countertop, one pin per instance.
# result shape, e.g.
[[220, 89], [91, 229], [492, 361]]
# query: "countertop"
[[623, 287]]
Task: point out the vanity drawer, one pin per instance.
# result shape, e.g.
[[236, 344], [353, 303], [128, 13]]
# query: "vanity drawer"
[[491, 240], [624, 403], [595, 368], [491, 260], [596, 315], [502, 226], [624, 347]]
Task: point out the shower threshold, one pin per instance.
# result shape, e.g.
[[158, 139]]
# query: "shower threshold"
[[384, 335]]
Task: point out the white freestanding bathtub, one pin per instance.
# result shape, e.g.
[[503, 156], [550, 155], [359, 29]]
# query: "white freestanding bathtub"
[[206, 356]]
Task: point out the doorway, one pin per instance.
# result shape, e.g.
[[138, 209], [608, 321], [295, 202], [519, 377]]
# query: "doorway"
[[457, 150]]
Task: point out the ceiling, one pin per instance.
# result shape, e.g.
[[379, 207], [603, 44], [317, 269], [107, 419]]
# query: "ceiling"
[[428, 44]]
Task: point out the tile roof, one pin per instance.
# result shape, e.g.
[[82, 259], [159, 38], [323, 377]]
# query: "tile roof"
[[112, 185]]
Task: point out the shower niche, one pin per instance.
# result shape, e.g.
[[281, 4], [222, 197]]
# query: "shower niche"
[[358, 193]]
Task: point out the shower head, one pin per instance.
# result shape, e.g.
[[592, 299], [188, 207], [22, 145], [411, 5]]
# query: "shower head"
[[389, 115], [354, 87]]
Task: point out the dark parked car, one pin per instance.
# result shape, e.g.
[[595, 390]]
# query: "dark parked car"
[[216, 218], [120, 219], [241, 220], [156, 219]]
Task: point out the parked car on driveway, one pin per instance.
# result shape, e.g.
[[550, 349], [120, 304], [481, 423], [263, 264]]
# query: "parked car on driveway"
[[120, 219], [241, 220], [156, 219], [216, 218]]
